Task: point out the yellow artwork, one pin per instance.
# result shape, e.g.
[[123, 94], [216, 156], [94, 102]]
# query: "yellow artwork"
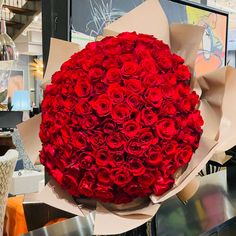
[[212, 49]]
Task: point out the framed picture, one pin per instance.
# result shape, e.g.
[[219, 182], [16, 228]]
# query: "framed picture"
[[89, 17], [213, 49], [10, 81]]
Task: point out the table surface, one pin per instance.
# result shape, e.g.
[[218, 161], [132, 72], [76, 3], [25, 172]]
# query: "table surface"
[[213, 204]]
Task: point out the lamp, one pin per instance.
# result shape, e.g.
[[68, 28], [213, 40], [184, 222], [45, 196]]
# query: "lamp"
[[7, 46], [21, 100]]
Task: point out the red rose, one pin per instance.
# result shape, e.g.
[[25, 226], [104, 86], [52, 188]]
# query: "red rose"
[[69, 103], [99, 88], [177, 59], [185, 105], [102, 158], [113, 75], [70, 182], [183, 155], [147, 179], [79, 140], [97, 139], [148, 117], [115, 140], [195, 120], [90, 61], [109, 126], [170, 147], [129, 69], [132, 36], [170, 79], [89, 122], [103, 175], [128, 41], [92, 46], [104, 193], [149, 65], [165, 60], [57, 175], [194, 99], [82, 88], [146, 138], [67, 65], [74, 171], [142, 52], [131, 129], [147, 39], [121, 176], [116, 93], [102, 105], [133, 147], [127, 57], [112, 46], [168, 108], [135, 101], [83, 107], [169, 170], [120, 113], [182, 73], [111, 62], [86, 188], [117, 160], [122, 197], [188, 136], [134, 85], [136, 166], [151, 80], [165, 128], [154, 96], [86, 161], [57, 76], [95, 74], [162, 185], [153, 156], [133, 189], [183, 90], [169, 93]]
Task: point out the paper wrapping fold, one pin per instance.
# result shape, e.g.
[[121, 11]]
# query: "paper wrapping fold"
[[185, 40], [142, 20], [29, 132], [60, 51], [54, 196], [186, 193], [217, 110]]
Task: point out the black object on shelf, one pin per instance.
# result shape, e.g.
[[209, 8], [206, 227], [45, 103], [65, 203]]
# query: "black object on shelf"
[[9, 119]]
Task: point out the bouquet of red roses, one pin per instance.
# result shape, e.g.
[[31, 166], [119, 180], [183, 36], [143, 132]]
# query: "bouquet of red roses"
[[120, 122], [119, 119]]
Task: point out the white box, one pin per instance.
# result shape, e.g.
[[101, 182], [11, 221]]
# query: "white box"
[[25, 181]]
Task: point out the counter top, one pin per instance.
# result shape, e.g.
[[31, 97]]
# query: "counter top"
[[213, 204]]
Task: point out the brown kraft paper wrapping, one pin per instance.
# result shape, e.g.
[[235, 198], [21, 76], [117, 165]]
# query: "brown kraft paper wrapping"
[[60, 51], [189, 190], [219, 133]]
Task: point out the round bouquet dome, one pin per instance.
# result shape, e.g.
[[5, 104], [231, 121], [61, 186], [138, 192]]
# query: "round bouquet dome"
[[119, 120]]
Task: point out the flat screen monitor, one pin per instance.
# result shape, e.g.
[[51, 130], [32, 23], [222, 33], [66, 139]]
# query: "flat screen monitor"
[[9, 119]]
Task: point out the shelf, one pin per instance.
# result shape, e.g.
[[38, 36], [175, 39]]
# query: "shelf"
[[20, 11]]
